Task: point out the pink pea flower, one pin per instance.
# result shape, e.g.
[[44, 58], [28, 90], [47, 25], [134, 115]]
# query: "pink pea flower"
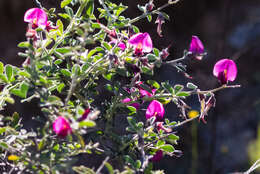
[[144, 93], [37, 17], [155, 109], [142, 43], [61, 127], [49, 26], [135, 105], [160, 20], [196, 48], [120, 44], [225, 70], [84, 115], [157, 156], [160, 126]]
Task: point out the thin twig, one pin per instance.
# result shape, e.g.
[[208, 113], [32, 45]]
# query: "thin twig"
[[102, 165], [153, 12], [38, 3], [105, 7], [253, 167]]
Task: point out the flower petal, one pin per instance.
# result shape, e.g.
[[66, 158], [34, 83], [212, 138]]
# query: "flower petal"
[[147, 43], [226, 65], [196, 46], [155, 109], [36, 15], [61, 127], [136, 39]]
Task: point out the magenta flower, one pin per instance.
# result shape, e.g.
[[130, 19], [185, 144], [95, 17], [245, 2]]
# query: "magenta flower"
[[84, 115], [49, 26], [61, 127], [160, 126], [144, 93], [37, 17], [120, 44], [155, 109], [135, 105], [196, 48], [225, 70], [142, 43], [157, 156]]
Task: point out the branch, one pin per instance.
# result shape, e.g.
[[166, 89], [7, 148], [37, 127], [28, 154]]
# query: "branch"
[[38, 3], [102, 165], [170, 2]]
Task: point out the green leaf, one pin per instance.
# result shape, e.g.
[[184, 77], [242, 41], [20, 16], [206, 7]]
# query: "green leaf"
[[1, 68], [65, 72], [136, 29], [109, 168], [183, 94], [109, 87], [108, 76], [153, 83], [83, 170], [129, 160], [54, 100], [60, 27], [168, 87], [151, 57], [138, 164], [107, 45], [9, 72], [90, 8], [149, 17], [3, 145], [58, 61], [177, 88], [64, 15], [87, 123], [23, 45], [60, 87], [24, 73], [96, 25], [21, 91], [63, 50], [165, 15], [167, 148], [2, 130], [156, 52], [41, 144], [24, 89], [160, 143], [3, 78], [173, 137], [75, 70], [132, 122], [131, 109], [191, 86], [65, 3], [9, 100], [147, 70], [69, 11]]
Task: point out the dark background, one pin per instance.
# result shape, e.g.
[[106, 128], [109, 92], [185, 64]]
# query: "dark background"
[[228, 29]]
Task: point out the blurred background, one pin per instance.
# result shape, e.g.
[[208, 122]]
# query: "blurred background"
[[229, 142]]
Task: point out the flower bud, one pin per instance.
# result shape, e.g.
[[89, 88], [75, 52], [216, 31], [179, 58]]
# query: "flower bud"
[[149, 6], [61, 127], [160, 20], [157, 156]]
